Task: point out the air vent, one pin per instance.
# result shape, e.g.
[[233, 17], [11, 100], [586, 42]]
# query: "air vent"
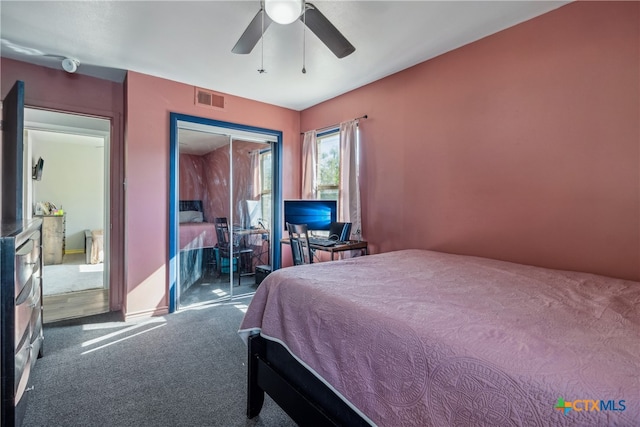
[[209, 99]]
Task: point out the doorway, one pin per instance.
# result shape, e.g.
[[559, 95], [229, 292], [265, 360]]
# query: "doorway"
[[66, 184], [224, 203]]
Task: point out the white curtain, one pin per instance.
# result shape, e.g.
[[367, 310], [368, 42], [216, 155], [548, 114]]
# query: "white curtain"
[[309, 165], [256, 186], [349, 195]]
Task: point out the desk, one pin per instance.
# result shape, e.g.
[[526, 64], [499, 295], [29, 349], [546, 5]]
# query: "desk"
[[253, 239], [352, 245]]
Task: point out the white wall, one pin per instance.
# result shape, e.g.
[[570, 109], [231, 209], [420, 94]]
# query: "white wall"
[[73, 177], [27, 182]]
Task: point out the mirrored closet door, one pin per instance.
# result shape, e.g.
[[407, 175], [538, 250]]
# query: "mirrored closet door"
[[224, 213]]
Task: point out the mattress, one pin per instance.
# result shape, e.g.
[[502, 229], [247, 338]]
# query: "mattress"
[[425, 338], [194, 235]]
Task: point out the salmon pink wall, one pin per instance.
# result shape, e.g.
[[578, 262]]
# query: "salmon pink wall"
[[523, 146], [206, 178], [149, 102], [58, 90], [217, 167], [191, 169]]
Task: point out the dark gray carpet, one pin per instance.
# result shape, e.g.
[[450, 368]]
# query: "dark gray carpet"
[[210, 287], [184, 369]]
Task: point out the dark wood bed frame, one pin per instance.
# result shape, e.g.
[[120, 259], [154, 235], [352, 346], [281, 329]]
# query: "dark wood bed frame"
[[306, 399]]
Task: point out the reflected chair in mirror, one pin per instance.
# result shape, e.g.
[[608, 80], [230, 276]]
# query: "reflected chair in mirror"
[[299, 240], [228, 251]]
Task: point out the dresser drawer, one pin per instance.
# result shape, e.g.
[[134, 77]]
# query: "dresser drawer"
[[27, 261], [37, 337], [36, 325], [24, 307], [23, 381], [23, 364], [36, 313], [35, 298], [36, 237]]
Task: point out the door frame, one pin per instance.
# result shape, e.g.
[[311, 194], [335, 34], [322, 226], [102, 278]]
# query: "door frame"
[[174, 193], [106, 135]]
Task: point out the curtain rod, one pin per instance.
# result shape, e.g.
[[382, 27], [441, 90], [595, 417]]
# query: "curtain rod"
[[336, 125]]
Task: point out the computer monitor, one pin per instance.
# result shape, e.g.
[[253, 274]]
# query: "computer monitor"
[[317, 214]]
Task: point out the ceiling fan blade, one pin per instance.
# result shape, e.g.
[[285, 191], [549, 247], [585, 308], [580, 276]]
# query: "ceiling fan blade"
[[252, 34], [327, 32]]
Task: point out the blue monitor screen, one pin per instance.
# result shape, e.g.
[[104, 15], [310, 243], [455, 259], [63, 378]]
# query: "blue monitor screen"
[[317, 214]]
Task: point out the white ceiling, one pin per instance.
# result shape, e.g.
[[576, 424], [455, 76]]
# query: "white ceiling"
[[191, 42]]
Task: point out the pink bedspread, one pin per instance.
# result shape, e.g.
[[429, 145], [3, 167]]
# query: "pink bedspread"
[[195, 235], [424, 338]]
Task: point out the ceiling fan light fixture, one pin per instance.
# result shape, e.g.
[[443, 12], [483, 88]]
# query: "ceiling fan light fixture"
[[284, 11], [70, 65]]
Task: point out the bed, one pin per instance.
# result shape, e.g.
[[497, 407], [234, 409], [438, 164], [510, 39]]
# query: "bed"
[[425, 338], [197, 239]]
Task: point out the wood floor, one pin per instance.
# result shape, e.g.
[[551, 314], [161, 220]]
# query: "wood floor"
[[75, 304]]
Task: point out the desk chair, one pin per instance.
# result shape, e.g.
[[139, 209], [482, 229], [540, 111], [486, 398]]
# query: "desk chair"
[[299, 240], [227, 250]]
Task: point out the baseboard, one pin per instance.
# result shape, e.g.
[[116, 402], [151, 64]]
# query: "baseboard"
[[73, 251], [158, 311]]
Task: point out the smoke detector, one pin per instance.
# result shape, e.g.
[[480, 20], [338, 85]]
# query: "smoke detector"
[[70, 65]]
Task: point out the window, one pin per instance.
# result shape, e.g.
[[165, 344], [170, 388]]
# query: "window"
[[328, 170], [265, 186]]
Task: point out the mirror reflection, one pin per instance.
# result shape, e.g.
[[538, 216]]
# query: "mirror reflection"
[[224, 215]]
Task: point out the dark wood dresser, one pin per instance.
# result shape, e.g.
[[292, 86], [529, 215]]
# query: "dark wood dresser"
[[21, 313]]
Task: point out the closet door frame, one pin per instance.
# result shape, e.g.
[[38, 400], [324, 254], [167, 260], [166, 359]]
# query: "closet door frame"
[[273, 135]]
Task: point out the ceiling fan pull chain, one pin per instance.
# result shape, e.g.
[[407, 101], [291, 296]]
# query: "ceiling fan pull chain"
[[261, 70], [304, 35]]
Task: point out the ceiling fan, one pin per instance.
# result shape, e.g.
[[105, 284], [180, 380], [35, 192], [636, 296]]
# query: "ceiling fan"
[[286, 12]]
